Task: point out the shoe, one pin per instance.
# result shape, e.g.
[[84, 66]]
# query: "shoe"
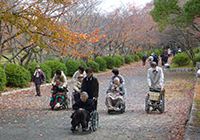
[[73, 129], [110, 108], [154, 109], [84, 129], [116, 109]]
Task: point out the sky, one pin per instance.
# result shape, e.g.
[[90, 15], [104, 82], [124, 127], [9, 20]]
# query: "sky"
[[109, 5]]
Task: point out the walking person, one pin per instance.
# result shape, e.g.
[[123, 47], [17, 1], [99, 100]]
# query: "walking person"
[[144, 58], [38, 78], [155, 77], [90, 85]]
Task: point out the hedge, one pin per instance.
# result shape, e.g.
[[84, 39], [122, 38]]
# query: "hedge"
[[140, 54], [93, 65], [120, 58], [17, 76], [102, 63], [72, 66], [55, 65], [181, 59], [136, 57], [110, 62], [83, 64], [3, 80], [128, 59], [118, 62], [46, 69]]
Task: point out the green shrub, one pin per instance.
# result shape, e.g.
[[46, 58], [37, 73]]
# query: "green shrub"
[[181, 59], [46, 69], [93, 65], [157, 52], [102, 63], [140, 54], [72, 66], [17, 76], [2, 79], [120, 58], [196, 59], [136, 57], [118, 62], [83, 64], [55, 65], [196, 50], [110, 62], [128, 59]]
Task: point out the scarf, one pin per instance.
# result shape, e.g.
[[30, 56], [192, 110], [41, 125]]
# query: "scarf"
[[36, 73]]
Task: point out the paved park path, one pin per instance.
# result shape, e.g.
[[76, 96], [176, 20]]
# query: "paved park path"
[[26, 117]]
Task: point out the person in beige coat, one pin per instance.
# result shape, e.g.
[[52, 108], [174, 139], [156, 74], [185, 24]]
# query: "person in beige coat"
[[77, 88], [60, 74]]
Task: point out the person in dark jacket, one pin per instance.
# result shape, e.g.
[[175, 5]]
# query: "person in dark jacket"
[[82, 108], [38, 79], [90, 85], [144, 58]]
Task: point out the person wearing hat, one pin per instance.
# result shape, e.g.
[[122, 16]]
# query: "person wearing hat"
[[155, 77], [116, 74], [77, 87], [38, 78]]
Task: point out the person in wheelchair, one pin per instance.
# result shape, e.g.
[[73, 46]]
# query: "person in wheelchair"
[[114, 96], [77, 88], [116, 74], [155, 78], [81, 115]]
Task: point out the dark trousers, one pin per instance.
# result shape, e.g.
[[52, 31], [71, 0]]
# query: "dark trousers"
[[80, 117], [95, 104], [37, 87]]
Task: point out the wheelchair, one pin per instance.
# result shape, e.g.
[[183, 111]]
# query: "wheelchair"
[[93, 123], [155, 99]]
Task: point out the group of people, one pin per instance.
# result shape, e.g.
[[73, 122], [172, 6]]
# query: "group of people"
[[86, 90]]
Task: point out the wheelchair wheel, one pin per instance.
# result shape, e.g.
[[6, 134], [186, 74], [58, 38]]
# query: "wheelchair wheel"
[[95, 120], [147, 107], [162, 104], [123, 106]]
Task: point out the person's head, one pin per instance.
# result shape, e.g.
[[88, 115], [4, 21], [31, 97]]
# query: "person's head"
[[116, 81], [58, 73], [115, 72], [84, 96], [80, 78], [58, 80], [152, 53], [37, 67], [88, 72], [153, 64], [81, 69]]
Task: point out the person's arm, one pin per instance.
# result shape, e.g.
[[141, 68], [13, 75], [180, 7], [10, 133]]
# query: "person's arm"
[[109, 89], [76, 88], [121, 91], [75, 106], [43, 76], [53, 80], [122, 81], [97, 88], [75, 76], [161, 78], [148, 78], [64, 81], [84, 86], [90, 105]]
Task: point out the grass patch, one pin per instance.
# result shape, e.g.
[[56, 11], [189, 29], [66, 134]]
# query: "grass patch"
[[197, 104], [190, 65], [189, 86]]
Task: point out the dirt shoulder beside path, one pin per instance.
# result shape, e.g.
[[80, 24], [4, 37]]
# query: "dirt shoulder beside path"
[[24, 116]]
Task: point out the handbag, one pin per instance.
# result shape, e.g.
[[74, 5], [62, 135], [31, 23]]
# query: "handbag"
[[32, 88]]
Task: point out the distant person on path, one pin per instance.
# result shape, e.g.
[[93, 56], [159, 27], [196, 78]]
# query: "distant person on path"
[[179, 50], [78, 72], [153, 58], [60, 74], [164, 58], [90, 85], [38, 78], [174, 52], [116, 74], [144, 58], [169, 52]]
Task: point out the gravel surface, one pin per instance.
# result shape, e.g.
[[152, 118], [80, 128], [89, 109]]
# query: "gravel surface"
[[24, 116]]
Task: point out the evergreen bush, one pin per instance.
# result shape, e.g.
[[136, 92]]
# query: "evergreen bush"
[[102, 63], [83, 64], [196, 50], [136, 57], [93, 65], [55, 65], [17, 76], [72, 66], [181, 59], [120, 58], [118, 62], [140, 54], [2, 79], [128, 59], [110, 62]]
